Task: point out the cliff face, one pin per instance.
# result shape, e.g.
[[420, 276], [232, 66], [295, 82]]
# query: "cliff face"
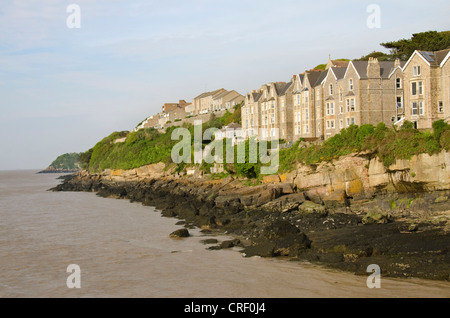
[[361, 178], [353, 177]]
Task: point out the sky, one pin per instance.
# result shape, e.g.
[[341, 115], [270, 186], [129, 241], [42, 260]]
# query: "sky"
[[64, 88]]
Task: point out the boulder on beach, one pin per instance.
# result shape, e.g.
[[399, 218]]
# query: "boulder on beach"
[[179, 233]]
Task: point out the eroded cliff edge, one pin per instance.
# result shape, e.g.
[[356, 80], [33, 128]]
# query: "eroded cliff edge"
[[345, 214]]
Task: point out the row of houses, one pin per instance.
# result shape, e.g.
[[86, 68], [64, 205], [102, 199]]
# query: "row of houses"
[[317, 104], [207, 102]]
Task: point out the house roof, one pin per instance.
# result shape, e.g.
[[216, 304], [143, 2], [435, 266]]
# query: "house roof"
[[386, 68], [339, 72], [340, 63], [313, 76], [435, 58], [281, 88], [319, 80]]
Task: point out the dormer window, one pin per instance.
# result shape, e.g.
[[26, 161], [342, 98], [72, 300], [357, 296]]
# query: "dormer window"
[[331, 89], [350, 84]]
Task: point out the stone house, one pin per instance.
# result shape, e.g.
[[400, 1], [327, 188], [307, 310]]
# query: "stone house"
[[203, 103], [333, 101], [426, 77], [305, 111], [250, 114], [226, 100], [266, 113]]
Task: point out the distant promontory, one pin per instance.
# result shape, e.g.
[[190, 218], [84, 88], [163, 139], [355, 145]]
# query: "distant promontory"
[[66, 163]]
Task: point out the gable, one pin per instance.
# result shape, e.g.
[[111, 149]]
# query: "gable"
[[415, 55]]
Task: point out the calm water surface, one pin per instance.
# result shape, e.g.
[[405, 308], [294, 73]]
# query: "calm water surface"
[[124, 250]]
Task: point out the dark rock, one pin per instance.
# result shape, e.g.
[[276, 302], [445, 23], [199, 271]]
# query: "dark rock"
[[180, 233]]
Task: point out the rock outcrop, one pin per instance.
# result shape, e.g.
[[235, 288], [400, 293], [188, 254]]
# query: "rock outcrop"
[[346, 214]]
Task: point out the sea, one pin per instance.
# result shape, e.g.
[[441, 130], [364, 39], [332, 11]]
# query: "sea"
[[79, 245]]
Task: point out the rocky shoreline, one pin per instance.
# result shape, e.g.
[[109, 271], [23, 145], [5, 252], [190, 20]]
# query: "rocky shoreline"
[[406, 234]]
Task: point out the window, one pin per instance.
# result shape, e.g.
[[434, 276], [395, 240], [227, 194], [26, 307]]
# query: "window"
[[398, 83], [348, 122], [440, 107], [273, 104], [330, 124], [273, 118], [350, 84], [298, 116], [399, 102], [341, 98], [341, 109], [306, 97], [414, 88], [421, 111], [266, 120], [306, 114], [350, 105], [352, 120], [331, 89], [330, 108], [251, 110], [420, 88], [414, 110], [299, 130], [341, 124], [416, 70], [251, 122], [298, 99], [306, 129]]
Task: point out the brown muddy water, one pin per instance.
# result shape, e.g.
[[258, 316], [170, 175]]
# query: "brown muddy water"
[[123, 249]]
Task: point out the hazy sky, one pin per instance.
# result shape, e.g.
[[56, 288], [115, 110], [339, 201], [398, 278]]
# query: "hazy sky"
[[63, 89]]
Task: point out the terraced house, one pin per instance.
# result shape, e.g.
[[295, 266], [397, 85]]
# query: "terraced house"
[[267, 112], [216, 100], [305, 108], [426, 77]]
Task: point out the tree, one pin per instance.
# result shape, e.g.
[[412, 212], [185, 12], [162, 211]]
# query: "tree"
[[426, 41]]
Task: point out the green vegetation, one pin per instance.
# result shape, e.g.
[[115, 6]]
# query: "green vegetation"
[[67, 161], [388, 144], [147, 146], [403, 49], [142, 147]]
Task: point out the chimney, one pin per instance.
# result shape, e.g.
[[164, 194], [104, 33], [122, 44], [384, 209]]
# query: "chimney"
[[396, 63], [373, 68]]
